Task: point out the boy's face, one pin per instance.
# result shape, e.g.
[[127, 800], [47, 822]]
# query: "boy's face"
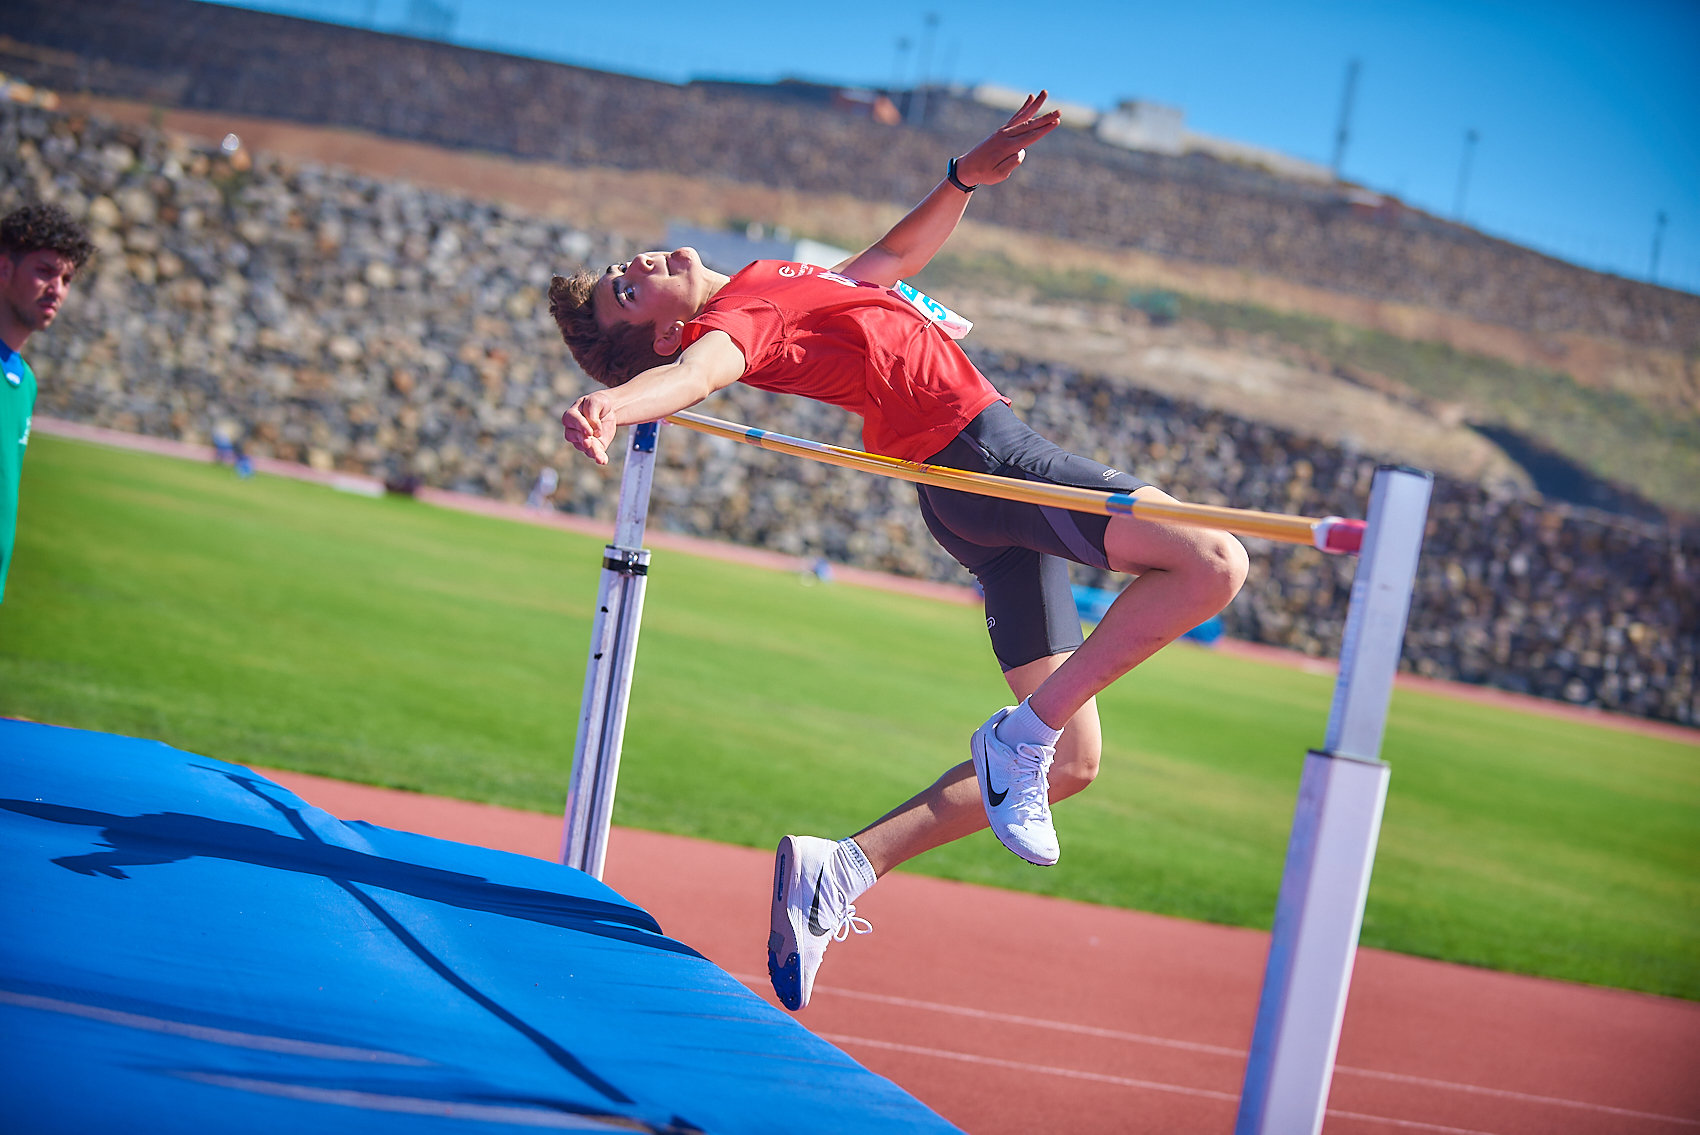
[[661, 288], [33, 286]]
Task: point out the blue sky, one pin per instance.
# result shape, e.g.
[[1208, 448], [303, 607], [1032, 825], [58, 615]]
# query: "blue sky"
[[1587, 114]]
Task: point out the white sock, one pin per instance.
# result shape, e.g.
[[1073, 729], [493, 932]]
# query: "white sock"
[[1024, 727], [851, 869]]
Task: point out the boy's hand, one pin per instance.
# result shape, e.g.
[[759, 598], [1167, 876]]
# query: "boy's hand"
[[589, 425], [998, 156], [711, 363]]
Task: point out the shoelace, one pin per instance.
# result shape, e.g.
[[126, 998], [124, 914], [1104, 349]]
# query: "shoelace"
[[852, 921], [1032, 786]]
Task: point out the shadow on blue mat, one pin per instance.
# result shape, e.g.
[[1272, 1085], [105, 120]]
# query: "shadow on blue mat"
[[171, 837]]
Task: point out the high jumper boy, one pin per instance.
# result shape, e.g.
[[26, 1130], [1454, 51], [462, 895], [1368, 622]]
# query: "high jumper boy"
[[663, 332]]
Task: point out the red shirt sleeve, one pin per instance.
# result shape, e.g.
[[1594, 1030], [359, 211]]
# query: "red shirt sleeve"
[[757, 326]]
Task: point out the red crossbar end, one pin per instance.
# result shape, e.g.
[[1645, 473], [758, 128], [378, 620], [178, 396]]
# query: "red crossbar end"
[[1339, 535]]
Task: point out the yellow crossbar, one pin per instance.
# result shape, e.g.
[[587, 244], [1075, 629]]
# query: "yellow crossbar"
[[1329, 533]]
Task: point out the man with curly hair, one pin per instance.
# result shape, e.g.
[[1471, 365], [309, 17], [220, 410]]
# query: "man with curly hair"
[[41, 248], [663, 331]]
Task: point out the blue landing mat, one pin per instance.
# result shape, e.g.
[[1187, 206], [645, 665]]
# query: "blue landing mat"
[[189, 947]]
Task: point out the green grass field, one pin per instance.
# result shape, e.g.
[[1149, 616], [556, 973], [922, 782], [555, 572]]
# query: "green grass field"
[[276, 623]]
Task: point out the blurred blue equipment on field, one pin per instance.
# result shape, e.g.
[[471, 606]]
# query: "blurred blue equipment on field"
[[1092, 602], [228, 451]]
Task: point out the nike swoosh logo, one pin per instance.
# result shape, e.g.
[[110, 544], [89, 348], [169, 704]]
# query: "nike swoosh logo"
[[815, 927], [993, 794]]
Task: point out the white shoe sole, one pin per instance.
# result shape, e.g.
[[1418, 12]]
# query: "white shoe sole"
[[796, 941]]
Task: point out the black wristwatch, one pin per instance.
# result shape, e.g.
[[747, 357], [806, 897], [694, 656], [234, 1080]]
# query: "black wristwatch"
[[950, 174]]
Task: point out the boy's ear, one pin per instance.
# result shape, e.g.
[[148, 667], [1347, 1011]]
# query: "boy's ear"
[[667, 339]]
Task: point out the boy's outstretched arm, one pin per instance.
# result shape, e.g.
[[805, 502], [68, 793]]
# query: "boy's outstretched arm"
[[711, 363], [912, 242]]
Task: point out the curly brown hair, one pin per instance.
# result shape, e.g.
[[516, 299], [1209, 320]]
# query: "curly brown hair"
[[32, 228], [609, 355]]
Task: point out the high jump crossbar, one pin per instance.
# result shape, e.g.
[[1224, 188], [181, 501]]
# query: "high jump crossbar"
[[1327, 533], [1342, 789]]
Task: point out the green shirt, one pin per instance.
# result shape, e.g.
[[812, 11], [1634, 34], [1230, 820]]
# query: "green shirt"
[[17, 403]]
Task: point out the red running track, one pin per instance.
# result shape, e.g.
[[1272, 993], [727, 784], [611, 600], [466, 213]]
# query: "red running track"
[[1011, 1013]]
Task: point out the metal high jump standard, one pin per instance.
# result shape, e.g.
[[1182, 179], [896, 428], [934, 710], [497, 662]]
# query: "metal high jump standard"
[[1342, 789]]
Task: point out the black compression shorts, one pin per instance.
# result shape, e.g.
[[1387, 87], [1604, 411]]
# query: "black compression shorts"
[[1017, 551]]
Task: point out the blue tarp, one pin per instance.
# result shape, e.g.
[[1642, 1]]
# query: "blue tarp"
[[1091, 603], [190, 947]]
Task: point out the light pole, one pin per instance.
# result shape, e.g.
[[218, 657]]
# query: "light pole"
[[1343, 130], [1470, 139], [918, 106], [1658, 238]]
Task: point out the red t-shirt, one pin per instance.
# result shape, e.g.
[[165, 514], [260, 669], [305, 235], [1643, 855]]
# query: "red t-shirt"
[[805, 330]]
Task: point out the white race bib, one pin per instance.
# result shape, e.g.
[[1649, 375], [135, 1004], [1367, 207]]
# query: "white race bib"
[[949, 322]]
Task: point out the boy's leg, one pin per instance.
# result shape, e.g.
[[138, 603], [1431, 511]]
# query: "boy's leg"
[[1185, 575], [802, 926], [950, 807]]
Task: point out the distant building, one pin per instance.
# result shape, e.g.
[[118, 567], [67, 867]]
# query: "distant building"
[[727, 250], [1136, 124], [1139, 125]]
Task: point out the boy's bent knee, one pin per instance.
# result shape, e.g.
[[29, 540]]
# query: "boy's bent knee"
[[1228, 564]]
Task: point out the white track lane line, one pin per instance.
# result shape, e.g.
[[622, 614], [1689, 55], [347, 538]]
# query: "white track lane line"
[[1235, 1053], [1023, 1066], [1119, 1081]]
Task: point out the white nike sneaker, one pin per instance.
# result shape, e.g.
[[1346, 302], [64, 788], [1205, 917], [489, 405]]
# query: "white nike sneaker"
[[1015, 791], [805, 917]]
